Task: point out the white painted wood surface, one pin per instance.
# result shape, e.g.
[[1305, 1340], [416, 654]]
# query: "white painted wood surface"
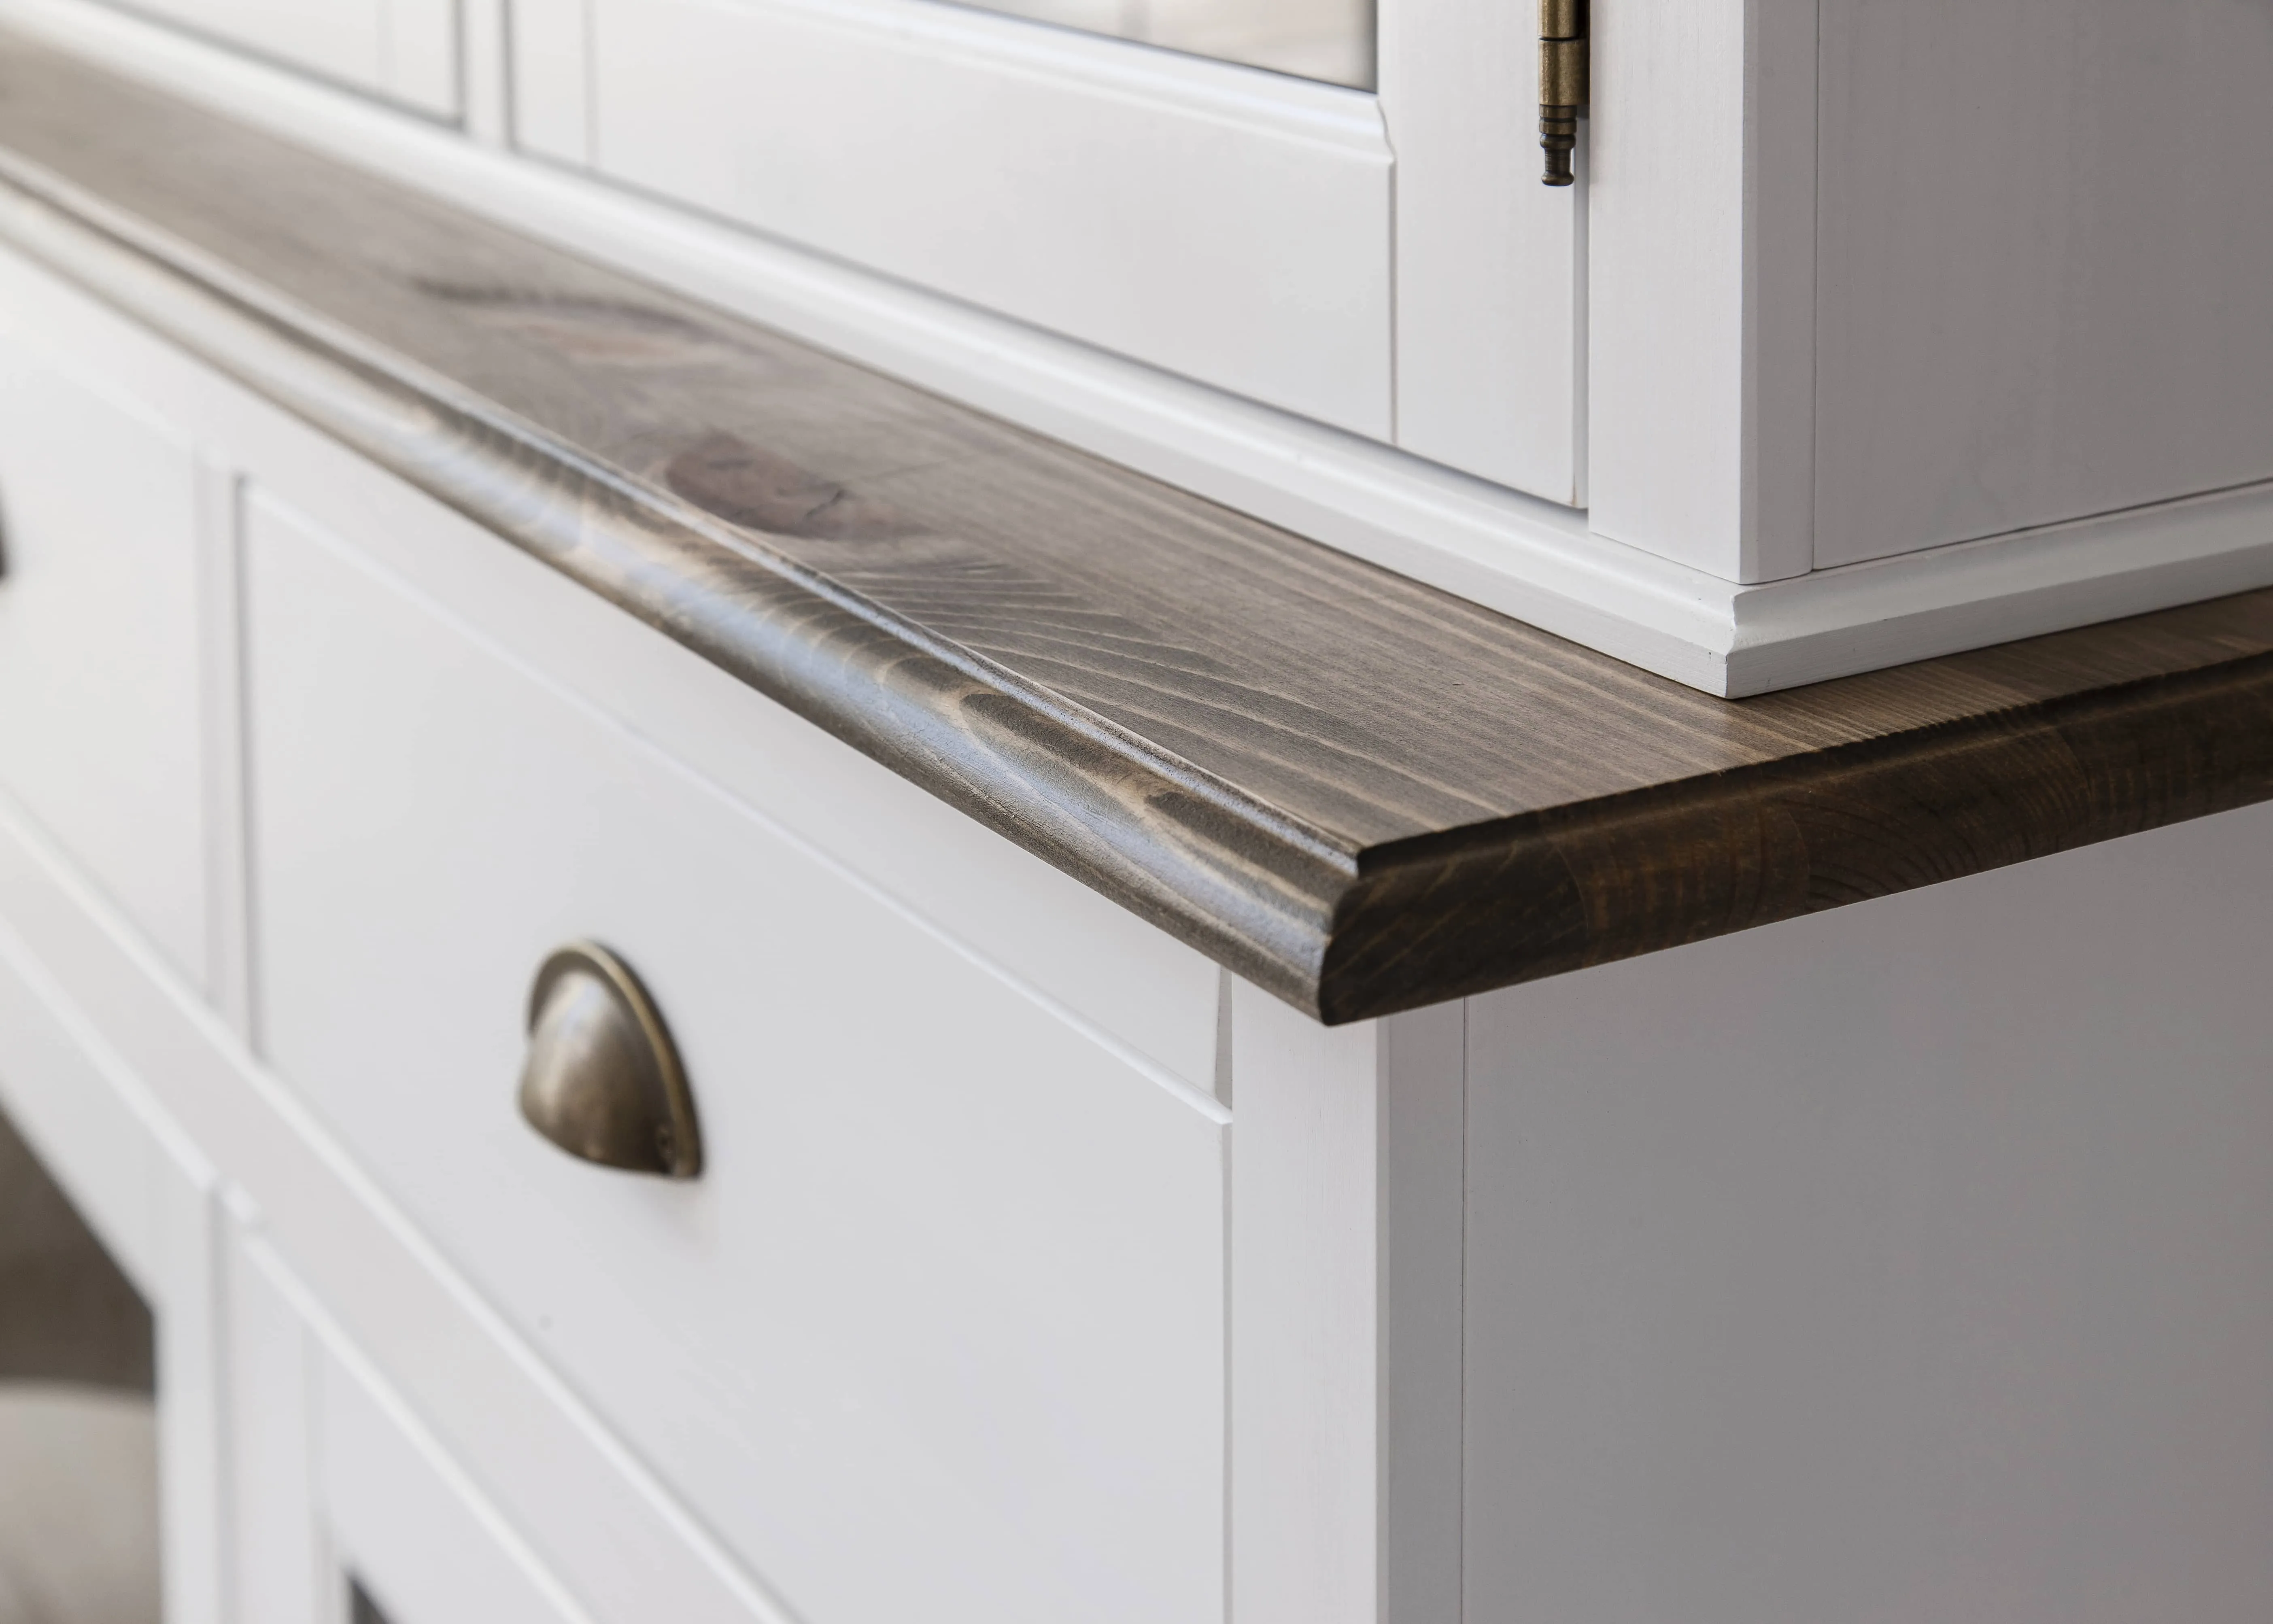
[[1345, 1317], [227, 961], [1701, 308], [2046, 247], [146, 1191], [1228, 225], [100, 713], [604, 1521], [406, 50], [1305, 1366], [1419, 1264], [948, 1253], [1912, 1261], [280, 1570], [192, 1433], [408, 1523], [486, 72], [1521, 555], [552, 67], [1492, 359]]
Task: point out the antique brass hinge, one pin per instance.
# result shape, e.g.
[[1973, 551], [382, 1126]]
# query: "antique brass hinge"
[[1562, 82]]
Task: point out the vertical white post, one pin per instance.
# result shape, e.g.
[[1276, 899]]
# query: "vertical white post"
[[484, 64], [1701, 304], [1345, 1351], [192, 1503]]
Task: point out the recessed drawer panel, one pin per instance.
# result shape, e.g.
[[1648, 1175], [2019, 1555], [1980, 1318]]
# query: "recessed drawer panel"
[[99, 666], [938, 1331]]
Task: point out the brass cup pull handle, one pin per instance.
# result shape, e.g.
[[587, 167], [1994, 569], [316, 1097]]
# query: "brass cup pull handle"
[[603, 1079]]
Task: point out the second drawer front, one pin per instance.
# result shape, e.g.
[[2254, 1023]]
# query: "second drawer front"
[[939, 1332]]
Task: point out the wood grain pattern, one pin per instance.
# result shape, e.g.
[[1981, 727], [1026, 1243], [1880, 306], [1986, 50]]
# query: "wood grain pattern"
[[1357, 791]]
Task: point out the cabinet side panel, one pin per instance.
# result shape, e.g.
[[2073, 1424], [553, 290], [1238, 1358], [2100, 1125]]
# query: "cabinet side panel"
[[2045, 250], [1913, 1261]]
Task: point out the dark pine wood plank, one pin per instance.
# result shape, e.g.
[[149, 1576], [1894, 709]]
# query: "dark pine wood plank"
[[1360, 792]]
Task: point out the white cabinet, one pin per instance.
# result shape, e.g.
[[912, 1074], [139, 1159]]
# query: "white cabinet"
[[951, 1283], [345, 1508], [1223, 223], [1862, 338], [100, 719], [1902, 1262], [1897, 1262], [2045, 241], [406, 50], [1384, 262], [1885, 279], [1910, 1257]]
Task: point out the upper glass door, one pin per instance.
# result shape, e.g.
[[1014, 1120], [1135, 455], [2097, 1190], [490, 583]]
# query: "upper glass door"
[[1328, 40]]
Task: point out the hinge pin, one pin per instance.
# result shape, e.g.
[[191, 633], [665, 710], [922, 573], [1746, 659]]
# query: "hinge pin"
[[1562, 88]]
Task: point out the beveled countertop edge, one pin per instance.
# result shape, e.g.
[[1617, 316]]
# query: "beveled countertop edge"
[[1659, 868]]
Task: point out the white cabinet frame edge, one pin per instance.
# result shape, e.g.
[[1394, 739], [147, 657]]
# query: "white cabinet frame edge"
[[149, 1194], [1523, 557]]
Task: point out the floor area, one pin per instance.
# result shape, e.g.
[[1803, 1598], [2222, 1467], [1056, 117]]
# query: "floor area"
[[79, 1457], [79, 1506]]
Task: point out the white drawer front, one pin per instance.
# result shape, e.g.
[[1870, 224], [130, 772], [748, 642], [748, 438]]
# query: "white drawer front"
[[938, 1334], [99, 664]]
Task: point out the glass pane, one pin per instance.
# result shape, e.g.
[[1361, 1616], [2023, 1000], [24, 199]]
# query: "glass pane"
[[1329, 40]]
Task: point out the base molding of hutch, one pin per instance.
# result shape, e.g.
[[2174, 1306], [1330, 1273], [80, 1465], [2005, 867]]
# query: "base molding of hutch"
[[1736, 641], [1890, 611]]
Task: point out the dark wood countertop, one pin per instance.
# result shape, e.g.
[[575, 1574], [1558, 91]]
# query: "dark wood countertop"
[[1355, 791]]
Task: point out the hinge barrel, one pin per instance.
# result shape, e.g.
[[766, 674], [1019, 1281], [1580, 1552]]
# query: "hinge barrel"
[[1563, 87]]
